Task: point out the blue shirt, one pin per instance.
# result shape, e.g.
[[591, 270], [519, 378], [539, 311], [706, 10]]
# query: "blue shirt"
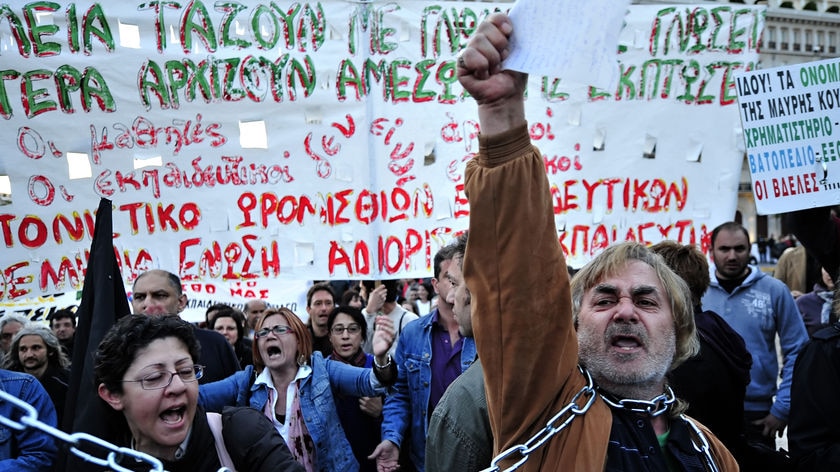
[[758, 309], [30, 449]]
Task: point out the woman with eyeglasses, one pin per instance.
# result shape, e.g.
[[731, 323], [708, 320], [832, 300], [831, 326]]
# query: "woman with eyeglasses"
[[295, 388], [145, 371], [361, 417]]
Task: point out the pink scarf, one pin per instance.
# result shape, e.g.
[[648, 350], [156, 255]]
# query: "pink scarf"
[[300, 441]]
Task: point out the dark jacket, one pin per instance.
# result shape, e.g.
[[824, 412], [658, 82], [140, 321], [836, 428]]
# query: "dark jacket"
[[715, 380], [819, 232], [55, 381], [250, 439], [813, 434], [811, 308], [216, 356]]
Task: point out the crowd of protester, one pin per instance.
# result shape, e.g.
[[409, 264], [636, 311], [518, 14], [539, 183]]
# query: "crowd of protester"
[[361, 396], [658, 359]]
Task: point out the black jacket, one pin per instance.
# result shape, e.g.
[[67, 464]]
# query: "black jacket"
[[813, 432], [216, 356], [250, 439], [715, 380]]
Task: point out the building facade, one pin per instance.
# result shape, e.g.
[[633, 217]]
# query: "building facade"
[[794, 32]]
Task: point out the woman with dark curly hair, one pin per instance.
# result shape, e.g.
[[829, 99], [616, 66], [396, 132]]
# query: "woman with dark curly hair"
[[145, 368]]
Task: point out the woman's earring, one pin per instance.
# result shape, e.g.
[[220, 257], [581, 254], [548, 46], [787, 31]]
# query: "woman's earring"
[[301, 360]]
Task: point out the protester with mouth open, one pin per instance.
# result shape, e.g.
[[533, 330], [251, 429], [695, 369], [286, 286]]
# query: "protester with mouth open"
[[294, 388], [574, 374], [145, 369], [361, 417]]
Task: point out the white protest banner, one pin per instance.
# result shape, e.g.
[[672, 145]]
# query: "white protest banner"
[[292, 141], [40, 308], [289, 294], [790, 121]]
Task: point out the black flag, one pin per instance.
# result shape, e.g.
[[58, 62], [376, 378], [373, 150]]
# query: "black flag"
[[103, 303]]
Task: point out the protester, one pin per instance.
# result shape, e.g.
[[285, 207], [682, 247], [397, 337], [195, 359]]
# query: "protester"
[[384, 301], [459, 430], [36, 351], [145, 369], [352, 297], [9, 326], [254, 308], [818, 229], [63, 324], [431, 353], [230, 323], [158, 292], [293, 388], [714, 381], [815, 306], [320, 301], [813, 434], [361, 417], [633, 315], [761, 309]]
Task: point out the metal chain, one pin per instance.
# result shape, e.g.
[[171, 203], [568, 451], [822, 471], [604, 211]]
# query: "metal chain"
[[579, 405], [654, 407], [703, 446], [29, 419]]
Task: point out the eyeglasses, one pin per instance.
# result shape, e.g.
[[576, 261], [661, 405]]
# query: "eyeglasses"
[[162, 378], [339, 329], [279, 330]]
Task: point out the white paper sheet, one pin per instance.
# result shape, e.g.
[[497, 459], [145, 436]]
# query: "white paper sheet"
[[576, 41]]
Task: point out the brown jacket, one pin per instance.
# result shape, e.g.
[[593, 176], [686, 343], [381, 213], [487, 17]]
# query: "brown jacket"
[[523, 326], [792, 269]]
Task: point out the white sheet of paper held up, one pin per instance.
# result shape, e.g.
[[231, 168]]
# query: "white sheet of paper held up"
[[574, 40]]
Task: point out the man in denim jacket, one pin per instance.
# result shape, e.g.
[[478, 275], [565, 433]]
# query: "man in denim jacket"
[[431, 353], [30, 449]]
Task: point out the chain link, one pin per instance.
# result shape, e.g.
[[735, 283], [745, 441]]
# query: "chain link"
[[654, 407], [703, 446], [579, 405], [29, 419]]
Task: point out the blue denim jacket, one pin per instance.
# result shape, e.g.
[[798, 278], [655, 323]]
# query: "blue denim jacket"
[[332, 450], [408, 403], [30, 449]]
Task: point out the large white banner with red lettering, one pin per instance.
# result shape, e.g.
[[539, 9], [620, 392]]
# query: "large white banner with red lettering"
[[248, 144]]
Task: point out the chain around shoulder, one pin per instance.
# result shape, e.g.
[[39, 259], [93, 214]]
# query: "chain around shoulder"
[[579, 405], [701, 444]]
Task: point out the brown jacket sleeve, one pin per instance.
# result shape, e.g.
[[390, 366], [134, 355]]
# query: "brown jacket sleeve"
[[521, 305]]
